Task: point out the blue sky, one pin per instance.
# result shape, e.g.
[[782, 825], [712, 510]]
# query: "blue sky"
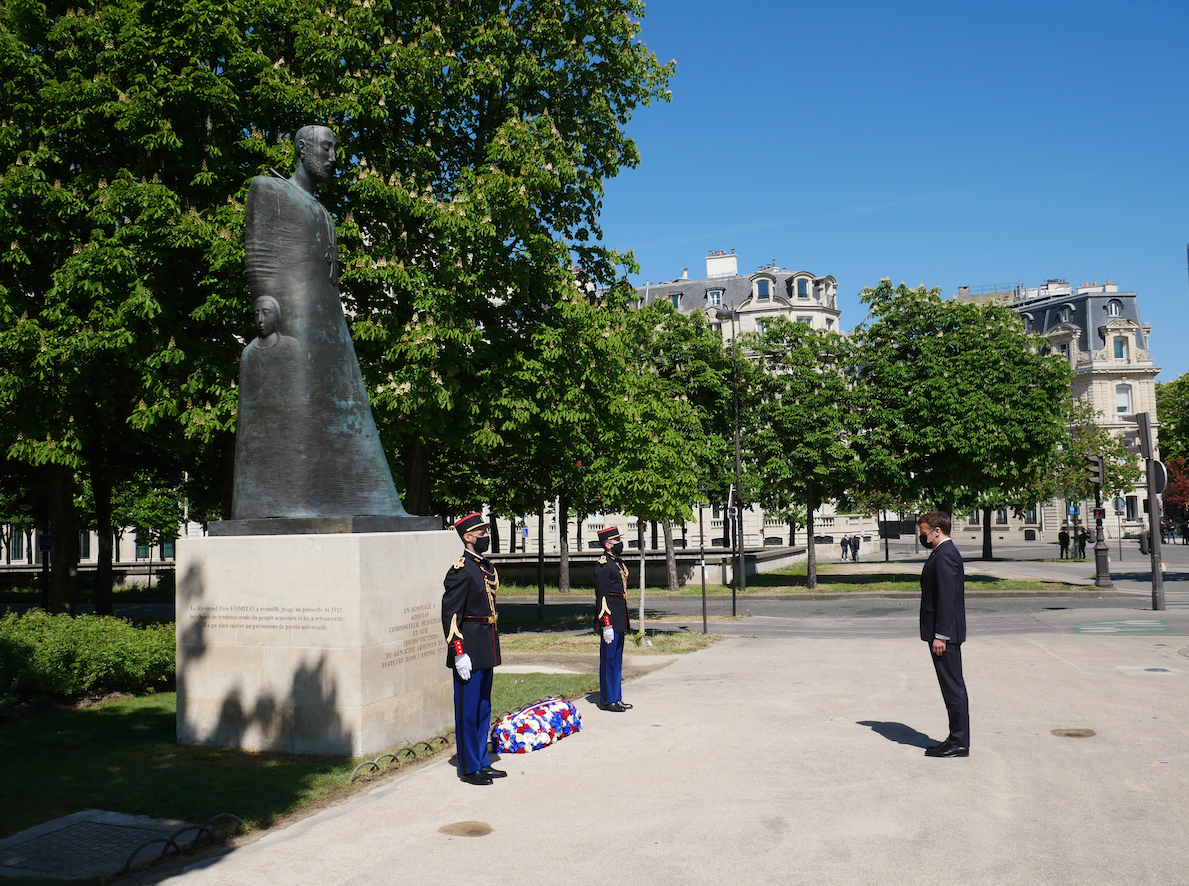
[[938, 143]]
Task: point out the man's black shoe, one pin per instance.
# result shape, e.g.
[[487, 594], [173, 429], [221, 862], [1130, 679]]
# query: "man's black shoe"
[[492, 772], [626, 706], [615, 707], [479, 777], [948, 749]]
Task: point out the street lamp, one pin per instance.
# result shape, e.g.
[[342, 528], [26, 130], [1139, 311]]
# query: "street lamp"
[[741, 564]]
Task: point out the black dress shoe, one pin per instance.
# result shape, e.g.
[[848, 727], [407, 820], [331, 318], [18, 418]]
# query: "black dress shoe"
[[479, 777], [626, 706], [948, 749], [616, 707], [492, 772]]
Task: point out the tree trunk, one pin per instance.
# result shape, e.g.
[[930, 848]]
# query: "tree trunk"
[[495, 535], [541, 562], [578, 531], [64, 533], [563, 537], [643, 568], [727, 522], [986, 533], [671, 559], [417, 480], [811, 549], [792, 534], [654, 544], [101, 488]]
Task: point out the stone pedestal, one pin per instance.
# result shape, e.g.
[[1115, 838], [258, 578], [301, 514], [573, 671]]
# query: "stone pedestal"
[[313, 644]]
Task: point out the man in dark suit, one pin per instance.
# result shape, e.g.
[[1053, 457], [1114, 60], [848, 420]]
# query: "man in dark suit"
[[472, 649], [612, 619], [943, 627]]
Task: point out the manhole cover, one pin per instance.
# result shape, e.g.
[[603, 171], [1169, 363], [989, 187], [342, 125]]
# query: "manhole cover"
[[1074, 733], [466, 829]]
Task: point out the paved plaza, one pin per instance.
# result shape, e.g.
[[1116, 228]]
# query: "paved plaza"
[[776, 760]]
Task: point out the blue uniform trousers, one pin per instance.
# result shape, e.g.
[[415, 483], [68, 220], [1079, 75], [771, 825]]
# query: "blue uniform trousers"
[[472, 720], [611, 670]]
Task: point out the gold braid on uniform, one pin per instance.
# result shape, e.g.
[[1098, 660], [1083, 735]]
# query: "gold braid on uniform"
[[623, 575], [491, 584]]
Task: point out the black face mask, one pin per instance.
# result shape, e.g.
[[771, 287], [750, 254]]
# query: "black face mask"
[[924, 540], [482, 544], [617, 548]]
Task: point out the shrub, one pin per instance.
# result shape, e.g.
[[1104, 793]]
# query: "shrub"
[[64, 656]]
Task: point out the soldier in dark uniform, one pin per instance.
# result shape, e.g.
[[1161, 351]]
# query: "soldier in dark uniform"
[[611, 586], [472, 648]]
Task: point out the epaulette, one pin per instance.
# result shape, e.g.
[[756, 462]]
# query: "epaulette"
[[602, 559], [459, 564]]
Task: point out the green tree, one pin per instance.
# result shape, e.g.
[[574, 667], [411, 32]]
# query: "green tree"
[[1172, 409], [957, 401], [477, 137], [803, 426]]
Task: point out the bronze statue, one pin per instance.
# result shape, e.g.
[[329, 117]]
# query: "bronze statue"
[[306, 442]]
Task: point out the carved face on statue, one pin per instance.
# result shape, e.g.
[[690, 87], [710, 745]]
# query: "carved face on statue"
[[268, 319], [315, 150]]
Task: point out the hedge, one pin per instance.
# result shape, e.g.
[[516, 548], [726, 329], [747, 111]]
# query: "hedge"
[[63, 656]]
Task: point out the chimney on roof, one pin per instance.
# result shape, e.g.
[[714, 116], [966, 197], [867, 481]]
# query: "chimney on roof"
[[719, 264], [685, 273]]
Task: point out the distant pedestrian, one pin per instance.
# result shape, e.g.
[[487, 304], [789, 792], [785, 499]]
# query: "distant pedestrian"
[[1083, 537], [1063, 541], [845, 546], [1185, 533], [854, 547]]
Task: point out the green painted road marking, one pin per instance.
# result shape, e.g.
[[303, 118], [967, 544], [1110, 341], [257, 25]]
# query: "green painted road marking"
[[1125, 626]]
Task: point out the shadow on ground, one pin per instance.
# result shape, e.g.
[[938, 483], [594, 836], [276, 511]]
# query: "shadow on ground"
[[899, 733]]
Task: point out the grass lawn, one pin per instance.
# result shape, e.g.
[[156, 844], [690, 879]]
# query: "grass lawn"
[[662, 643], [833, 578], [122, 756]]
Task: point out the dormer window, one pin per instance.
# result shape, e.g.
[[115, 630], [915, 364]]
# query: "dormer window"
[[1114, 308], [714, 297], [763, 290], [675, 298], [1120, 349], [802, 288], [1066, 313], [1027, 322]]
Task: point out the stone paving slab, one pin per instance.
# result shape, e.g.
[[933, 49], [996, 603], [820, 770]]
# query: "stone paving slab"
[[87, 844]]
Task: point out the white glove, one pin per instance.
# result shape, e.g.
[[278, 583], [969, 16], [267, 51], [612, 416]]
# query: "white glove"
[[608, 634], [462, 664]]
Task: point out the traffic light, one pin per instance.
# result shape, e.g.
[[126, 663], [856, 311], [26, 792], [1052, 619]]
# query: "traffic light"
[[1100, 514], [1139, 439], [1097, 473]]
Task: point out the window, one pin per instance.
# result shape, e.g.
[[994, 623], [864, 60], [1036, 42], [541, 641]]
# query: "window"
[[762, 291], [675, 298], [84, 546], [808, 321], [761, 325], [1114, 309], [1122, 398], [975, 517], [18, 544], [1120, 349], [1027, 322], [1064, 349], [1066, 313], [802, 289], [168, 549], [1132, 507], [1001, 517], [829, 324], [1030, 515], [714, 297], [142, 547]]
